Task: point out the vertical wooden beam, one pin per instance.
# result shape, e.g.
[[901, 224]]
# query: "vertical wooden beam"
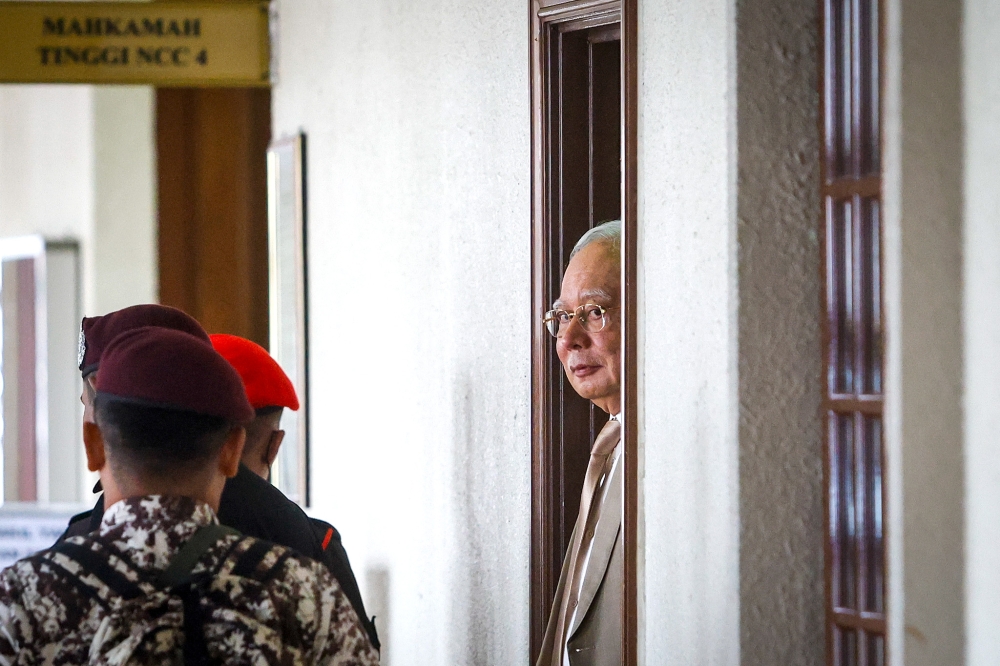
[[542, 584], [630, 341]]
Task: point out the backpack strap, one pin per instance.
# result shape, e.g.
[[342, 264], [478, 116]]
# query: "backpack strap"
[[248, 563], [95, 563], [179, 570], [177, 579]]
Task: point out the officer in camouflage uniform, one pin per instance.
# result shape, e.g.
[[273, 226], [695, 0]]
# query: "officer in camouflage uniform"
[[249, 503], [161, 582]]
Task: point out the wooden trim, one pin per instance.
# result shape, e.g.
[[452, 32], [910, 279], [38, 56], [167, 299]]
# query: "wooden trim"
[[845, 188], [567, 11], [880, 7], [630, 318], [542, 584], [588, 22], [873, 623], [869, 405], [609, 33]]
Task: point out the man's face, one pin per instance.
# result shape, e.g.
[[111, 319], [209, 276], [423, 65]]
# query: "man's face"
[[87, 397], [592, 360]]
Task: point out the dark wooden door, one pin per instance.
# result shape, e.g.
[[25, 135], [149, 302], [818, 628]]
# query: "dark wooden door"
[[211, 157], [581, 155]]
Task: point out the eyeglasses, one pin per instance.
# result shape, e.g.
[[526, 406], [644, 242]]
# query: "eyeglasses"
[[592, 318]]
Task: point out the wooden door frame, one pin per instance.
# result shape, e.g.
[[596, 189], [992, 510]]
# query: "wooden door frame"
[[545, 15]]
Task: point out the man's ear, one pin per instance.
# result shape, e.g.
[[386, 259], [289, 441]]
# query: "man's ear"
[[93, 443], [232, 451], [273, 444]]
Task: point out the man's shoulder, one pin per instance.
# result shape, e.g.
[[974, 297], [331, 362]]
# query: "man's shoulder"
[[41, 597], [266, 563], [256, 508], [84, 522], [254, 583], [324, 531], [25, 573], [38, 565]]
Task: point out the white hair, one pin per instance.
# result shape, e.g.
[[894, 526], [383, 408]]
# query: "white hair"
[[606, 232]]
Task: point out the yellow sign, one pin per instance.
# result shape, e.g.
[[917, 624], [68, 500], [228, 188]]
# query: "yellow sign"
[[178, 43]]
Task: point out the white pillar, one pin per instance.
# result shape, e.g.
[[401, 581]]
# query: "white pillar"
[[981, 81], [923, 286], [689, 495]]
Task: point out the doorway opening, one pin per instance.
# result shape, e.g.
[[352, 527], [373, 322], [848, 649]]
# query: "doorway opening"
[[583, 111]]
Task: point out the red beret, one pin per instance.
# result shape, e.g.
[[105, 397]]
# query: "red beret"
[[266, 383], [170, 369], [97, 332]]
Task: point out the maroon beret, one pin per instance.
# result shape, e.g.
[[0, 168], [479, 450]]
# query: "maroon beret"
[[170, 369], [97, 332], [266, 383]]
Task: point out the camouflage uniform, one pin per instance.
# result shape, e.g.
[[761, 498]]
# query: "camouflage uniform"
[[299, 615]]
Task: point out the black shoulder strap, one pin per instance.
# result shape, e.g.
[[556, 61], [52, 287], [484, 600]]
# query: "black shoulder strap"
[[187, 557], [177, 578], [95, 562]]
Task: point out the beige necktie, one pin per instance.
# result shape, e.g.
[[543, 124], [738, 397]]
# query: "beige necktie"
[[606, 442]]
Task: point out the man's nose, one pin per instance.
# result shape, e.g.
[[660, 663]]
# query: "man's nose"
[[573, 336]]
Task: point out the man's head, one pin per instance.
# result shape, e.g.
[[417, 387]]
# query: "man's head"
[[269, 390], [96, 333], [169, 414], [586, 318]]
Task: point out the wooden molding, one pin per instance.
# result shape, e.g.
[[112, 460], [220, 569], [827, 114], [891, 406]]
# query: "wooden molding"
[[630, 341]]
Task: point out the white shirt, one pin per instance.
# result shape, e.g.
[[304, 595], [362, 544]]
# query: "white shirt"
[[603, 484]]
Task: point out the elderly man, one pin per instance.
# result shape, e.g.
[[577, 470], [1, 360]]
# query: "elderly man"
[[161, 581], [584, 626]]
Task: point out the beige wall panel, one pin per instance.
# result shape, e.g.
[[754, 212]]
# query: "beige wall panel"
[[981, 100], [922, 189], [782, 613]]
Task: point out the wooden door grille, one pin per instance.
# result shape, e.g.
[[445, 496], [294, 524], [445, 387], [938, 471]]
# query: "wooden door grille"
[[853, 322]]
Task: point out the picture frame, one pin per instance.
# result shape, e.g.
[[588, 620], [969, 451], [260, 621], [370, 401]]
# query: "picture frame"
[[287, 286]]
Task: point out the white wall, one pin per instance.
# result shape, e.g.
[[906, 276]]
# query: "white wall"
[[122, 250], [688, 333], [981, 98], [922, 190], [79, 162], [417, 122], [46, 160]]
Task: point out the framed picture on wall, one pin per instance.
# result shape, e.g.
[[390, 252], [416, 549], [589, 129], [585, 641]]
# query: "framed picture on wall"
[[286, 211]]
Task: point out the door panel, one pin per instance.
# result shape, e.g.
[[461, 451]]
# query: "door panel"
[[211, 154]]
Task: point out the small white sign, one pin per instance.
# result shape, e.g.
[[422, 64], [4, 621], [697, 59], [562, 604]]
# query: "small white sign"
[[24, 531]]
